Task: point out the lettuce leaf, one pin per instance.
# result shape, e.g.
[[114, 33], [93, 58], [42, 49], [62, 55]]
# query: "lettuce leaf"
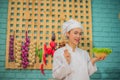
[[102, 50]]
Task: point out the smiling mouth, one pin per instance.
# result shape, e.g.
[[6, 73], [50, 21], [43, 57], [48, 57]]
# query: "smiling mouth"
[[77, 40]]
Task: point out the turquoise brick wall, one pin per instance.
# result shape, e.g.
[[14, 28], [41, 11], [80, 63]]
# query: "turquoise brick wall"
[[106, 33]]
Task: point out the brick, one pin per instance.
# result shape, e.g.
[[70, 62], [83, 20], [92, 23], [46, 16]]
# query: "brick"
[[2, 64], [96, 76], [2, 31], [115, 30], [20, 75], [112, 76], [3, 17], [34, 76], [3, 47], [3, 10], [3, 0], [98, 39], [4, 5], [3, 37], [2, 52], [116, 39], [2, 58], [2, 41], [98, 28], [3, 26], [3, 21], [10, 75], [2, 70]]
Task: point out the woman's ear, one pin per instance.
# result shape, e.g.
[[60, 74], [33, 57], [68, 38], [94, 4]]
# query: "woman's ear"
[[67, 35]]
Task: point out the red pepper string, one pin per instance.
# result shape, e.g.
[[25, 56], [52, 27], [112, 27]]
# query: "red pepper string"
[[44, 58], [45, 48], [41, 69], [53, 52]]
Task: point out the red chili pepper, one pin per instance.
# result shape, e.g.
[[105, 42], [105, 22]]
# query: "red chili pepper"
[[45, 48], [53, 52], [41, 69], [44, 58]]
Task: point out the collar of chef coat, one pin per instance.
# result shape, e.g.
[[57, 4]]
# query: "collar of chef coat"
[[69, 48]]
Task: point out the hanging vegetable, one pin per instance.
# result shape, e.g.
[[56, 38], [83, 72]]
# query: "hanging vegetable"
[[42, 69], [18, 52], [44, 58], [24, 54], [31, 56], [11, 48], [47, 51], [51, 49], [39, 53]]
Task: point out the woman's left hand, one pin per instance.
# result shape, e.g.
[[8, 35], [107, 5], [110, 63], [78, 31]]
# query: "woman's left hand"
[[100, 58], [95, 59]]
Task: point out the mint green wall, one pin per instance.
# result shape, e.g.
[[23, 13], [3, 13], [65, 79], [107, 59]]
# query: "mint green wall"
[[106, 33]]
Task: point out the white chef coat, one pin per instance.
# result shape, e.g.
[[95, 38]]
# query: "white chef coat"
[[80, 67]]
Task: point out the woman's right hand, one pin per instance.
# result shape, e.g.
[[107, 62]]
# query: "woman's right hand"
[[67, 56]]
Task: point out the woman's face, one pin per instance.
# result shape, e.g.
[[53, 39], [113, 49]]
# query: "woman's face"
[[74, 35]]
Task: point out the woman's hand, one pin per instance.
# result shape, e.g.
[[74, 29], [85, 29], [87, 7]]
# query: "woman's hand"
[[67, 56], [95, 59]]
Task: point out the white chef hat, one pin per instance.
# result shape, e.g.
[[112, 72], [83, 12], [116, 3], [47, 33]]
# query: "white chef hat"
[[70, 24]]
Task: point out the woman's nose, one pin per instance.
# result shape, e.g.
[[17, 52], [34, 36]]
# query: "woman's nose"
[[78, 36]]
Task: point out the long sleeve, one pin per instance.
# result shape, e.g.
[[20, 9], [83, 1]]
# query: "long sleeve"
[[61, 68], [91, 68]]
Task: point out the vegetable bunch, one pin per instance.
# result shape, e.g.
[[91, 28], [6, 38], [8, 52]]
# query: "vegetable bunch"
[[24, 54], [11, 48], [39, 53], [31, 56]]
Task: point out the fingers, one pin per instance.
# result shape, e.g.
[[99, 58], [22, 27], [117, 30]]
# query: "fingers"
[[66, 53], [67, 56], [101, 58]]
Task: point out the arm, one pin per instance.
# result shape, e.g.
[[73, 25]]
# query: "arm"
[[61, 68], [91, 64], [94, 60]]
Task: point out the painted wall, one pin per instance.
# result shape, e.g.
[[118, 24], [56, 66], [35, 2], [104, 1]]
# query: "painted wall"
[[106, 33]]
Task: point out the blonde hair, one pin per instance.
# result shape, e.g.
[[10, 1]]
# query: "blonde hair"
[[64, 41], [62, 44]]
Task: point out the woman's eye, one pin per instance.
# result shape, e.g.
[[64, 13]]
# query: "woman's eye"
[[80, 33]]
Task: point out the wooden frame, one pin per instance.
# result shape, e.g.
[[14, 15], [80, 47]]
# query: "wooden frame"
[[40, 18]]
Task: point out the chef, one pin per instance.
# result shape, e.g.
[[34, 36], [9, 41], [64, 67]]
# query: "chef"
[[71, 62]]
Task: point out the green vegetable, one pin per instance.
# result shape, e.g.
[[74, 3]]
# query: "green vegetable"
[[40, 54], [36, 51], [102, 50]]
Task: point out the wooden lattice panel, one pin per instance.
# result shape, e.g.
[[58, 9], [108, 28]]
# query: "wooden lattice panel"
[[40, 18]]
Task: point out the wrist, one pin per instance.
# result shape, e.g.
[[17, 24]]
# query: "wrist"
[[94, 60]]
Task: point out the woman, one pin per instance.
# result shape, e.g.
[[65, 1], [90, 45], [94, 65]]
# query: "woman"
[[71, 62]]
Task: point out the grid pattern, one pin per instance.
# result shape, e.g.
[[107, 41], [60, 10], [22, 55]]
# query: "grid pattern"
[[41, 18]]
